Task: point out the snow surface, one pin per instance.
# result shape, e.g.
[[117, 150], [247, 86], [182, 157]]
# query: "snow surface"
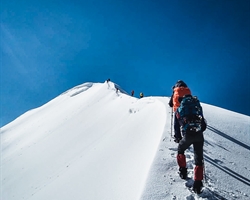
[[94, 143]]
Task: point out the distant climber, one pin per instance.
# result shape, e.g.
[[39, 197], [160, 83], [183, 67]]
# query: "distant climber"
[[116, 89], [141, 95], [108, 80], [132, 93]]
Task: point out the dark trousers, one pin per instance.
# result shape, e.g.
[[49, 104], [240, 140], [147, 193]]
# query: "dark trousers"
[[197, 141]]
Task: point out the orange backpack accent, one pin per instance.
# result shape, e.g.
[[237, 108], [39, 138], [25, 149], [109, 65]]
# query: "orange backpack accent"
[[179, 92]]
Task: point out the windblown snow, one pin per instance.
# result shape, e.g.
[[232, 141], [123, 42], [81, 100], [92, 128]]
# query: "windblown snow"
[[96, 143]]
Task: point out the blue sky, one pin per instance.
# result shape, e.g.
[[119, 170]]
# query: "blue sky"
[[48, 47]]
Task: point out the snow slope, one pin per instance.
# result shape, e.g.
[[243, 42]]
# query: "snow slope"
[[93, 143], [226, 153]]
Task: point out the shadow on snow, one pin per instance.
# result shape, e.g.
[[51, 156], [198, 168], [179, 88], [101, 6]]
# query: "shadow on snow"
[[228, 137]]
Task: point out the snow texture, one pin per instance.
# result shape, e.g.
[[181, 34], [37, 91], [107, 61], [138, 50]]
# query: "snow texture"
[[95, 142]]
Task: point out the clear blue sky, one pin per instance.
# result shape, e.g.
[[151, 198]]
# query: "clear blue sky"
[[50, 46]]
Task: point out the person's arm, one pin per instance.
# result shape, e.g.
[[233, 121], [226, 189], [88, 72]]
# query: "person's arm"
[[170, 103]]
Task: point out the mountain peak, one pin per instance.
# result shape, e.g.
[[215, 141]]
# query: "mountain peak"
[[94, 142]]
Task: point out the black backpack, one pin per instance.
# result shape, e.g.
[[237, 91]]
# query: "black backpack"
[[190, 115]]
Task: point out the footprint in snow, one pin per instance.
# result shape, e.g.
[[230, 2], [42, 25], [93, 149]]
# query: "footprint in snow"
[[173, 155], [173, 149], [190, 197]]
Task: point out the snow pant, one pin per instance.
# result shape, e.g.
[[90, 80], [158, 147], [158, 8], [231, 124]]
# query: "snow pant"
[[177, 128], [197, 141]]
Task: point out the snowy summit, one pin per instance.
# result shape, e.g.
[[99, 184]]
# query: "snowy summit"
[[96, 142]]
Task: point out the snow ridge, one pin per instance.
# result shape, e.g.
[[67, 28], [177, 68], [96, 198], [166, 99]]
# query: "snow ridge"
[[96, 142]]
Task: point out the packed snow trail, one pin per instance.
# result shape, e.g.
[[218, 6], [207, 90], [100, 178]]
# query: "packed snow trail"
[[164, 182]]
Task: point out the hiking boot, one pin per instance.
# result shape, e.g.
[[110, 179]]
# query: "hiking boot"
[[197, 186], [183, 172]]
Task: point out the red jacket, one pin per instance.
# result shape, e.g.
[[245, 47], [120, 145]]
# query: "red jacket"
[[179, 92]]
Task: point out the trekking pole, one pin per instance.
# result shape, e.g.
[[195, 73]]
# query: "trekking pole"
[[204, 172], [171, 123]]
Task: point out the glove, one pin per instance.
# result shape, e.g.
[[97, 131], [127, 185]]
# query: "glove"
[[177, 140]]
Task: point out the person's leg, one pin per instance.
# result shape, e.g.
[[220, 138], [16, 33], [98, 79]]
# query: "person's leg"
[[184, 143], [198, 158], [198, 150]]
